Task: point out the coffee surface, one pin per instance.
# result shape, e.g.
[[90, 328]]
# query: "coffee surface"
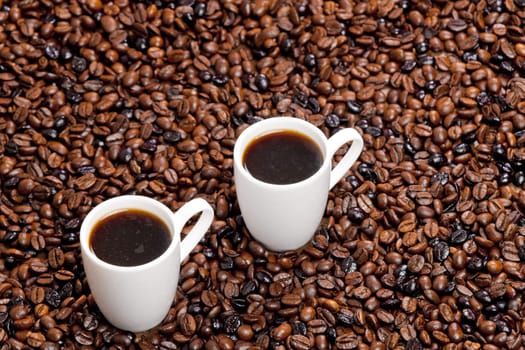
[[130, 238], [282, 157]]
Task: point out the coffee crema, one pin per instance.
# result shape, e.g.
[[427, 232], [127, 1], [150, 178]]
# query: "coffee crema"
[[282, 157], [130, 237]]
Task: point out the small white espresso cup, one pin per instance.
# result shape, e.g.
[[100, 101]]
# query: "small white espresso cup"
[[137, 298], [285, 217]]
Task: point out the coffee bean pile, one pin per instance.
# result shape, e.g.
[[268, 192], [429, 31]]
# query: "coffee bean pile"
[[422, 245]]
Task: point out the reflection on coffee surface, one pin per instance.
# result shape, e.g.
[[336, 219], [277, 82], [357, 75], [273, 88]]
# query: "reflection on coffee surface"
[[130, 238], [282, 157]]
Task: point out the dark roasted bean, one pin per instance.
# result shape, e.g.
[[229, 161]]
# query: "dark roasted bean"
[[441, 251]]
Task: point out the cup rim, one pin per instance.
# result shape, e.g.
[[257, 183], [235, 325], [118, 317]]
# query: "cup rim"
[[128, 202], [318, 134]]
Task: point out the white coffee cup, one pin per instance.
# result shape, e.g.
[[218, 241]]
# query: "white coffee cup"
[[285, 217], [137, 298]]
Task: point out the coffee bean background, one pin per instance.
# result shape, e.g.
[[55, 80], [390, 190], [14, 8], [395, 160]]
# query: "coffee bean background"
[[422, 245]]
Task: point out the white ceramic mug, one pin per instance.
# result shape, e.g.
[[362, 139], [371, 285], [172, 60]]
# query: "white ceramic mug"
[[137, 298], [285, 217]]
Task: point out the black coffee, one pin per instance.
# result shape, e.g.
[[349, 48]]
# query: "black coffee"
[[130, 238], [283, 157]]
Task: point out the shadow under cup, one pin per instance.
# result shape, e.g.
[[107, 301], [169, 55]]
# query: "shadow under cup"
[[282, 217]]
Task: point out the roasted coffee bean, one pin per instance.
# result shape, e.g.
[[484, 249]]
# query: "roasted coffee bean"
[[475, 264], [441, 251], [52, 297], [79, 64], [416, 263], [414, 344], [459, 236], [310, 61], [346, 341], [346, 317], [354, 107], [299, 342], [348, 264], [262, 83], [299, 328], [356, 214], [52, 52], [408, 65], [231, 324], [367, 172]]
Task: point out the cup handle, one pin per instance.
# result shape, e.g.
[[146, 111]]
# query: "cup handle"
[[185, 213], [334, 143]]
